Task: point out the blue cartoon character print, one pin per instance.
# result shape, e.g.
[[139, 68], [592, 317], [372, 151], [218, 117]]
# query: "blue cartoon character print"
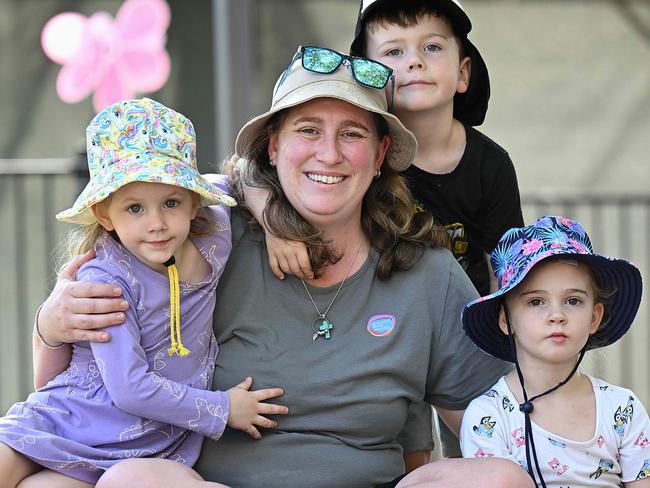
[[645, 470], [603, 466], [556, 443], [485, 427], [623, 416], [507, 404]]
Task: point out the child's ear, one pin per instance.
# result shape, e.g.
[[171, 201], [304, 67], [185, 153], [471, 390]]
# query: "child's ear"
[[503, 325], [99, 211], [464, 72], [596, 317], [196, 205]]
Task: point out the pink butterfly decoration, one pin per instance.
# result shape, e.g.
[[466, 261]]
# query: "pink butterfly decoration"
[[114, 57]]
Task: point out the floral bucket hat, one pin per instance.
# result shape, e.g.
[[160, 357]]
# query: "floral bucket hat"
[[140, 140], [520, 249]]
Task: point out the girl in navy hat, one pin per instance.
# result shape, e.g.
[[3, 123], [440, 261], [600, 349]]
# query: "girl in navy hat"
[[556, 300]]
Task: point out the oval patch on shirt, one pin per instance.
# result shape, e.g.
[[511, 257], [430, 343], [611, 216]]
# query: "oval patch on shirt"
[[381, 325]]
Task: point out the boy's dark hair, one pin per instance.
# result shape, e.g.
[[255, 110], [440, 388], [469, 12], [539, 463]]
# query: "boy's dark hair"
[[403, 14]]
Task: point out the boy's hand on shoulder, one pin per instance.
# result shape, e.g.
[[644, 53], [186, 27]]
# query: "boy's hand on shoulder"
[[288, 257], [247, 409]]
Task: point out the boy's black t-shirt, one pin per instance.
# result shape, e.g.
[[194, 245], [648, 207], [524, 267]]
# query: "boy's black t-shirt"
[[477, 202]]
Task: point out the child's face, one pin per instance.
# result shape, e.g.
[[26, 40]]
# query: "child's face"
[[426, 61], [151, 219], [552, 313]]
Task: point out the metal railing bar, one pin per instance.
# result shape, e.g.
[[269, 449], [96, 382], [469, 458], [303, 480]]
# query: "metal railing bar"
[[45, 167], [20, 235], [624, 223], [50, 245]]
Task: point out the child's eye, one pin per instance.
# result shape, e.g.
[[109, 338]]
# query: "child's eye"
[[393, 52], [135, 208], [171, 203], [535, 302], [432, 48], [574, 301]]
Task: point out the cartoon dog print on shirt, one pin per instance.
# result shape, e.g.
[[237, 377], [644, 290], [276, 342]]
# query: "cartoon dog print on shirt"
[[645, 470], [507, 404], [603, 466], [485, 428], [623, 416]]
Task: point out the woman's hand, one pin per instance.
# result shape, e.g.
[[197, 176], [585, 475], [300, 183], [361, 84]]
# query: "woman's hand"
[[290, 257], [246, 408], [74, 309]]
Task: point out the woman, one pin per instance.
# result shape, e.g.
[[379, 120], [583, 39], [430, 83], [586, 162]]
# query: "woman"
[[376, 329]]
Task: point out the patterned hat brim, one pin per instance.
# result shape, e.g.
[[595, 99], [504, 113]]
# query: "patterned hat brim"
[[481, 317], [130, 170]]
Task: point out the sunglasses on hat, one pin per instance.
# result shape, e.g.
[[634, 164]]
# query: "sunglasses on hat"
[[326, 61]]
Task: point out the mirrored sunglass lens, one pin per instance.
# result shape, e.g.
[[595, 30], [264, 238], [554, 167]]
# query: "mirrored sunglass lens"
[[370, 73], [321, 60]]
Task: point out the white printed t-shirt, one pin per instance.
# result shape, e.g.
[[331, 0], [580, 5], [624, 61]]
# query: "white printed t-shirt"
[[493, 426]]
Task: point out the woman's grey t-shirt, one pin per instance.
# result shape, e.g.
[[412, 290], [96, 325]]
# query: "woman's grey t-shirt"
[[392, 342]]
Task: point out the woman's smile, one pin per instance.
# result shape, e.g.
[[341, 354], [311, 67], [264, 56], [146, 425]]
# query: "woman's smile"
[[327, 179]]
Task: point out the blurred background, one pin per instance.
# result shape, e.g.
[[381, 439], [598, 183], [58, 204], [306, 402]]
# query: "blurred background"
[[570, 102]]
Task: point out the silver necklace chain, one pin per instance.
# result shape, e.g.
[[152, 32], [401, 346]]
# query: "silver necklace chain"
[[325, 327]]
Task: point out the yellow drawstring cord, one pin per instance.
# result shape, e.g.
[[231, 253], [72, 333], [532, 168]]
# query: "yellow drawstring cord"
[[175, 311]]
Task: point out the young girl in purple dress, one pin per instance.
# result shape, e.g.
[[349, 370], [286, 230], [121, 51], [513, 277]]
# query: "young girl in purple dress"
[[146, 392]]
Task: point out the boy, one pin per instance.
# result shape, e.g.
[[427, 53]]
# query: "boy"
[[442, 88]]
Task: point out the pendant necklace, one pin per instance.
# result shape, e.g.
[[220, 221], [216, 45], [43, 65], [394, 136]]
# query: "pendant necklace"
[[320, 325]]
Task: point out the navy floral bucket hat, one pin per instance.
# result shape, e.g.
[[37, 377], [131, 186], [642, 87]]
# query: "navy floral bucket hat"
[[521, 248]]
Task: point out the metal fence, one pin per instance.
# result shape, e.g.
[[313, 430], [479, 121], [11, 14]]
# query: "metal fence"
[[32, 191]]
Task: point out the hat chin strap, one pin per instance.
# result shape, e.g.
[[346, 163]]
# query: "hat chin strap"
[[527, 406]]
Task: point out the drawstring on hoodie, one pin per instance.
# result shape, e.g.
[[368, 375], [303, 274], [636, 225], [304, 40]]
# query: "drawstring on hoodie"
[[177, 346]]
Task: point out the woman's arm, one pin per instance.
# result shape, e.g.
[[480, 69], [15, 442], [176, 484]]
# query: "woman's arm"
[[71, 313]]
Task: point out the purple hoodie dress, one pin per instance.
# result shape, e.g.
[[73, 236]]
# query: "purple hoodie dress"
[[128, 398]]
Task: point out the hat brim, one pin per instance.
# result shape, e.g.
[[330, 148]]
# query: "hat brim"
[[481, 317], [132, 170], [471, 107], [403, 147]]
